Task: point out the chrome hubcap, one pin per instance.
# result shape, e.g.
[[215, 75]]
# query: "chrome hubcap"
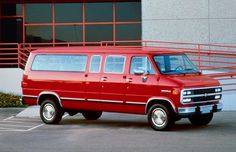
[[48, 111], [159, 117]]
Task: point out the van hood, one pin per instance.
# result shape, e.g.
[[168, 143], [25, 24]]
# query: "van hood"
[[194, 80]]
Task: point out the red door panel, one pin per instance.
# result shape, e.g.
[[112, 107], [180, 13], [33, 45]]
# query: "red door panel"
[[113, 79], [113, 88], [93, 84], [143, 85], [139, 90]]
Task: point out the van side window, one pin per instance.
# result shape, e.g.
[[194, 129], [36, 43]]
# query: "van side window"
[[67, 63], [114, 64], [95, 64], [141, 63]]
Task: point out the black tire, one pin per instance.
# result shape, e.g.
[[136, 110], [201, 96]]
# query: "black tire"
[[92, 115], [161, 113], [201, 120], [177, 118], [50, 112], [72, 113]]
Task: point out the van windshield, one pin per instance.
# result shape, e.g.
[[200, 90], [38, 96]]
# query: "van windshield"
[[175, 64]]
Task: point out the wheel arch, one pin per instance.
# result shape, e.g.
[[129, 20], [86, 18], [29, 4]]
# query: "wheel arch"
[[160, 100], [47, 94]]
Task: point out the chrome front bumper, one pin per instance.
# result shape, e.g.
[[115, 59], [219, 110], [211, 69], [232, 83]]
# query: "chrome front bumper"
[[185, 111]]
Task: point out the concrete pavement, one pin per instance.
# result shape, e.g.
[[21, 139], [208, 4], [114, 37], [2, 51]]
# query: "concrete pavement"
[[121, 133]]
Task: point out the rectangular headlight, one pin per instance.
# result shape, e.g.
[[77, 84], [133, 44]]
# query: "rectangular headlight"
[[187, 92], [187, 100], [218, 90], [217, 96]]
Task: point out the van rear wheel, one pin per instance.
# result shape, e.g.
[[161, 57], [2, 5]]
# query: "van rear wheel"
[[50, 112], [160, 118], [201, 120], [92, 115]]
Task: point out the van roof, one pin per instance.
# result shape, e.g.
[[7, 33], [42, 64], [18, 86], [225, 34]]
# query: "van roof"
[[107, 49]]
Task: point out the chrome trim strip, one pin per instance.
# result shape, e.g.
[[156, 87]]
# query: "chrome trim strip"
[[203, 109], [166, 91], [133, 102], [29, 96], [77, 99], [50, 93], [201, 95], [108, 101], [187, 110], [200, 102], [159, 98], [202, 88]]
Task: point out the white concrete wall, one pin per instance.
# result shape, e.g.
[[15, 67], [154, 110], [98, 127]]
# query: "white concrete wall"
[[10, 80], [199, 21]]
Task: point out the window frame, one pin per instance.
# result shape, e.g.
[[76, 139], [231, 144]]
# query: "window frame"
[[168, 64], [148, 59], [100, 64], [123, 70], [86, 63]]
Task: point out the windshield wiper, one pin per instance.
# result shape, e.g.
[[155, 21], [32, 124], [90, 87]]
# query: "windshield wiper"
[[194, 70], [173, 72]]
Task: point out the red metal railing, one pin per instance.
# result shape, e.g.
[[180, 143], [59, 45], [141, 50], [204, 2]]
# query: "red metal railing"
[[9, 54], [26, 48], [217, 61]]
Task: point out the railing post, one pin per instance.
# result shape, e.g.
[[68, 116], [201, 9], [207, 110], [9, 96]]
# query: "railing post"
[[199, 56], [18, 54]]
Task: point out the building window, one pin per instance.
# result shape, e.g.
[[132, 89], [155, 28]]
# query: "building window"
[[69, 33], [128, 11], [68, 12], [18, 9], [38, 13], [38, 34], [128, 31], [77, 22], [96, 33], [98, 12]]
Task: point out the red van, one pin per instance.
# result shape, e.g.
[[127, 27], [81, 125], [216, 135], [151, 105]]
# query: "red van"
[[162, 84]]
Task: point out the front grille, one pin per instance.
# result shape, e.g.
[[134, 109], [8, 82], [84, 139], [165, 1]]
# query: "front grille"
[[198, 99], [203, 91], [191, 96]]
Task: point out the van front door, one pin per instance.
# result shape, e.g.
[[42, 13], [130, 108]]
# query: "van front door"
[[141, 83]]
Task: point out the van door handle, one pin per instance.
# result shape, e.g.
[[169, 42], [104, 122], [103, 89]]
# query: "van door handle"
[[129, 80], [104, 79]]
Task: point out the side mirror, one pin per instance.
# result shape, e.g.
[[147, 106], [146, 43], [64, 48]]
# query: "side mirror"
[[139, 72]]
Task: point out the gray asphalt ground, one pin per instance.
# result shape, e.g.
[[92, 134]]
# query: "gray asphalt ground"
[[115, 133]]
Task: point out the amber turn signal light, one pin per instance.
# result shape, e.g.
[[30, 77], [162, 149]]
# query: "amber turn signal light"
[[176, 91]]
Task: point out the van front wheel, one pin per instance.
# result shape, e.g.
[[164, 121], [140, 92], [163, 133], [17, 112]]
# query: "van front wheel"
[[160, 118], [50, 112], [92, 115]]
